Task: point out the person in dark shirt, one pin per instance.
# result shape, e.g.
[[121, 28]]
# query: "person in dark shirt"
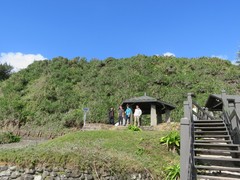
[[111, 116]]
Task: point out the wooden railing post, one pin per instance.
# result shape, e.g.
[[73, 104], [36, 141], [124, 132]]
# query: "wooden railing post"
[[224, 100], [187, 110], [233, 121], [184, 148], [236, 122], [190, 100], [237, 106]]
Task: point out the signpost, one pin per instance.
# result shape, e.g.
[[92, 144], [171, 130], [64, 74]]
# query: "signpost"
[[85, 115]]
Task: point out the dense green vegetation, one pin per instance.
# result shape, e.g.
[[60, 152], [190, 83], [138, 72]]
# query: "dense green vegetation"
[[8, 137], [113, 151], [172, 140], [5, 71], [52, 93]]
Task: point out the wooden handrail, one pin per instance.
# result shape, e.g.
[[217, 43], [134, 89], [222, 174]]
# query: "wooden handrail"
[[187, 140], [203, 111], [232, 117]]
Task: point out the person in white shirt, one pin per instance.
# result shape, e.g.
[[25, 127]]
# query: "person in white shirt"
[[137, 114]]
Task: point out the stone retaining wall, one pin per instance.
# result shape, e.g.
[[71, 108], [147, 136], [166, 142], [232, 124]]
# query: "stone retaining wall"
[[17, 173]]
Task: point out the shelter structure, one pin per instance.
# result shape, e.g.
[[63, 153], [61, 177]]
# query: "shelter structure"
[[152, 106], [215, 101]]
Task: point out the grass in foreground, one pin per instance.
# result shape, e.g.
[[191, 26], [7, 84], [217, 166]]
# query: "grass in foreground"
[[115, 151]]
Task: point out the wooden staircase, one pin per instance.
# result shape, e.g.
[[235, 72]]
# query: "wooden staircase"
[[215, 155]]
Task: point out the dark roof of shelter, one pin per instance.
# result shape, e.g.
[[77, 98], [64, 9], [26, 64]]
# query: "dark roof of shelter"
[[214, 102], [145, 103]]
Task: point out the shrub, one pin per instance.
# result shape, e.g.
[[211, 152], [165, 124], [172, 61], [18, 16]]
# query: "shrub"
[[172, 140], [8, 137], [173, 172], [134, 128]]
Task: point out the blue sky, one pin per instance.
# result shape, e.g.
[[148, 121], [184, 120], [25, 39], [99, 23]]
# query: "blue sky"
[[35, 29]]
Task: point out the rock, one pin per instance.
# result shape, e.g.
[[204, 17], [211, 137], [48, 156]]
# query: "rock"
[[61, 169], [133, 176], [28, 177], [45, 174], [39, 170], [19, 178], [139, 176], [68, 175], [3, 168], [13, 168], [5, 178], [15, 175], [30, 171], [63, 177], [82, 177], [38, 177], [76, 174], [68, 171], [49, 169], [55, 169], [5, 173], [88, 177], [21, 170], [53, 174]]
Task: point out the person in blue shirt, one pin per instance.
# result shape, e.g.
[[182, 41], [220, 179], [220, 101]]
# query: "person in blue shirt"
[[128, 113]]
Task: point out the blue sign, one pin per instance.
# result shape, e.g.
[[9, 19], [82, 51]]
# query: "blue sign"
[[85, 109]]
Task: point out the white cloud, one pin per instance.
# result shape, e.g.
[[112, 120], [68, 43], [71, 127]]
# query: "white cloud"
[[169, 54], [19, 60], [224, 57]]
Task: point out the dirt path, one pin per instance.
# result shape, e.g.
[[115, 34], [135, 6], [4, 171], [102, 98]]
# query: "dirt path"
[[23, 143]]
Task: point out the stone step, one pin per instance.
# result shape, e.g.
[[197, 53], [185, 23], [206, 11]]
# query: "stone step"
[[211, 132], [210, 177], [217, 161], [213, 141], [218, 168], [210, 128], [219, 152], [226, 136], [208, 121], [208, 124], [216, 146]]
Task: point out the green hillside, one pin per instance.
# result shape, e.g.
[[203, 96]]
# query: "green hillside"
[[115, 152], [54, 92]]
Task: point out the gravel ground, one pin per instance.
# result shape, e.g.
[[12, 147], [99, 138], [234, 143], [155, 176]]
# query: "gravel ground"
[[23, 143]]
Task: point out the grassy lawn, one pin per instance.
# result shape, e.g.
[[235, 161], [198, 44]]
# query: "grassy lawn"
[[115, 151]]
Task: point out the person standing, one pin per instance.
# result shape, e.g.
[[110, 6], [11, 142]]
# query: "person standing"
[[137, 114], [111, 116], [120, 115], [194, 109], [128, 113]]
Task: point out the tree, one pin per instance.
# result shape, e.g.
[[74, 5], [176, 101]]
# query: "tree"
[[5, 71]]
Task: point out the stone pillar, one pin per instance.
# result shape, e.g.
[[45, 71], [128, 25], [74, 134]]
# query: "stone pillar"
[[167, 113], [153, 115], [184, 148]]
